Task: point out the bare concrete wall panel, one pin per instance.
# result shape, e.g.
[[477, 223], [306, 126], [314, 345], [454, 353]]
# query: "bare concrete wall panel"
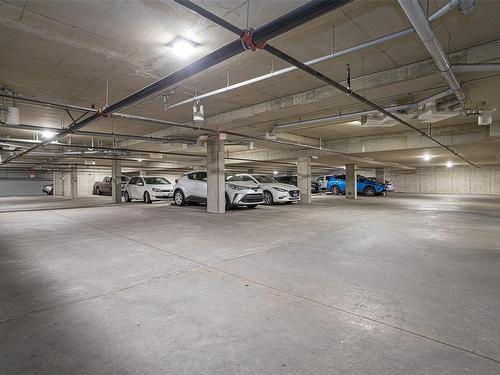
[[480, 181], [442, 180], [461, 180], [427, 180], [412, 182], [494, 180]]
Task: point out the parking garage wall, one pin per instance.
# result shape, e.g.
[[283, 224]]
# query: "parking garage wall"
[[23, 182], [86, 180], [442, 180]]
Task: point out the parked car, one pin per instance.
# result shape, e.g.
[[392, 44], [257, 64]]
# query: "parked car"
[[292, 180], [336, 185], [48, 189], [192, 187], [148, 189], [274, 191], [389, 185], [323, 181], [106, 185]]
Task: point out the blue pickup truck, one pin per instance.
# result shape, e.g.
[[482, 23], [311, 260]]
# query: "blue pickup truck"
[[336, 185]]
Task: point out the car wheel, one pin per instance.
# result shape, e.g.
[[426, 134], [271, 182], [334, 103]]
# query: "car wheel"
[[179, 198], [228, 204], [127, 197], [97, 191], [268, 197], [369, 191], [335, 190], [147, 198]]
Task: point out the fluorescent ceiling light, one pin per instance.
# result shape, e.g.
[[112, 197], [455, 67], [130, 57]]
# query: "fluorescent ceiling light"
[[426, 157], [46, 134], [449, 164], [183, 47]]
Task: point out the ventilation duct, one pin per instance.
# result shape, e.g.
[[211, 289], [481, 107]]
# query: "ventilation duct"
[[432, 114], [377, 120], [485, 117]]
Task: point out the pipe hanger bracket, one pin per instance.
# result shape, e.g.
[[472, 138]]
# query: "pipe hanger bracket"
[[248, 42]]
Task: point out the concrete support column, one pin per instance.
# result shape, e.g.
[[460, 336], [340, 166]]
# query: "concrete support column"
[[73, 192], [304, 179], [380, 175], [351, 181], [216, 194], [116, 175], [57, 180]]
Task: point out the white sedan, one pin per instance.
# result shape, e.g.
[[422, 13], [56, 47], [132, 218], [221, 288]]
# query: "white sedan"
[[274, 191], [148, 189]]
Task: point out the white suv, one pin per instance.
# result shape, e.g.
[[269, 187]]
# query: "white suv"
[[148, 189], [274, 191], [192, 187]]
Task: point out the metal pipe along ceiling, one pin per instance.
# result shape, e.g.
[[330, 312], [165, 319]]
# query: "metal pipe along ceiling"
[[287, 22], [374, 42], [282, 55], [102, 134], [416, 16]]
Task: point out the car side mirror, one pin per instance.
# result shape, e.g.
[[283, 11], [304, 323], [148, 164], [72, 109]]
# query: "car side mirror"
[[176, 180]]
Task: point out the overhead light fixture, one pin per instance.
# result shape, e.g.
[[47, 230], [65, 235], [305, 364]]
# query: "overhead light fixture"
[[139, 160], [198, 112], [426, 157], [182, 47], [275, 172], [449, 164], [46, 134]]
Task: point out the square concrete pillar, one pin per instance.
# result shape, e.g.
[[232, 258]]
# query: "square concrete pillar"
[[58, 181], [116, 178], [304, 179], [380, 175], [351, 181], [73, 186], [216, 193]]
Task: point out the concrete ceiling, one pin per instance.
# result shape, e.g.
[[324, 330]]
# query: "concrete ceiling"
[[67, 51]]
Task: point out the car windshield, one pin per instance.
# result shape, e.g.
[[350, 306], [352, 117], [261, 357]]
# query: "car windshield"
[[156, 181], [263, 179], [124, 178], [233, 177], [241, 177]]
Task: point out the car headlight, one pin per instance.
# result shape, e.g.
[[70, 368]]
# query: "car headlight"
[[237, 187], [279, 189], [156, 190]]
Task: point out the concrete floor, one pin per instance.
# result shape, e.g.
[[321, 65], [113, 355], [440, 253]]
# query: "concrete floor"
[[383, 285]]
